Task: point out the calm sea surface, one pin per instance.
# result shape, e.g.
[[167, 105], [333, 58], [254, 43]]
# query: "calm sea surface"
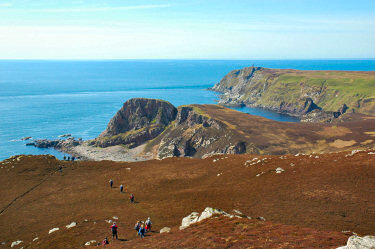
[[44, 99]]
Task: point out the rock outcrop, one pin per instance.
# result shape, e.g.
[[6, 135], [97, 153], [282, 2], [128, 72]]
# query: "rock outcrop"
[[356, 242], [195, 217], [138, 121], [313, 96]]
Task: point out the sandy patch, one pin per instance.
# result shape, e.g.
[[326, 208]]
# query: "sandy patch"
[[367, 142], [338, 143], [334, 131]]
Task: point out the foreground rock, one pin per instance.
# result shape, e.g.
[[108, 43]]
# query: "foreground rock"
[[195, 217], [313, 96], [356, 242]]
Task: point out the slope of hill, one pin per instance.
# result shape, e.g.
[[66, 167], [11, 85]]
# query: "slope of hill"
[[310, 95], [326, 192]]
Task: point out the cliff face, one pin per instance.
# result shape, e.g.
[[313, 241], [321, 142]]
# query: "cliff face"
[[314, 96], [138, 121], [197, 134]]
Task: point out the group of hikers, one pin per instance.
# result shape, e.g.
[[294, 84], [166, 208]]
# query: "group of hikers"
[[69, 158], [142, 227], [131, 197]]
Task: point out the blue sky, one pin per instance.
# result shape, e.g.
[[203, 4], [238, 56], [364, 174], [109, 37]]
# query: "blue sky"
[[179, 29]]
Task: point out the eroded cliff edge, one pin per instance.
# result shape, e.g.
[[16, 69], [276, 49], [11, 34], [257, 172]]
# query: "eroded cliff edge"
[[313, 96]]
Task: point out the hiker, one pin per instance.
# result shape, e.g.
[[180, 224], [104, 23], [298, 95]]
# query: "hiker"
[[121, 188], [131, 198], [64, 158], [68, 158], [137, 226], [60, 168], [142, 231], [148, 224], [111, 183], [114, 230], [73, 158], [105, 242]]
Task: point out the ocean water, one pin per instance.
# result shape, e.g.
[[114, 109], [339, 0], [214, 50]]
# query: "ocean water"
[[44, 99]]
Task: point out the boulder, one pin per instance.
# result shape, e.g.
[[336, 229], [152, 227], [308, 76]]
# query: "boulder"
[[71, 225], [188, 220], [53, 230], [194, 217], [165, 230], [91, 242], [16, 243], [356, 242]]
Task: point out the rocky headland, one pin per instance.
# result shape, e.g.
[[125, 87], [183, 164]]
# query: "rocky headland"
[[146, 129], [312, 96]]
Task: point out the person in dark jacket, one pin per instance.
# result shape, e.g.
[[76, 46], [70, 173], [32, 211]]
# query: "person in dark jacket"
[[114, 230], [131, 198], [111, 183], [121, 188], [142, 231], [137, 226]]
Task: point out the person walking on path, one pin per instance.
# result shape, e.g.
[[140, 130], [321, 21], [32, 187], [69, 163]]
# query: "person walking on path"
[[142, 231], [131, 198], [114, 230], [148, 224], [111, 183], [121, 188]]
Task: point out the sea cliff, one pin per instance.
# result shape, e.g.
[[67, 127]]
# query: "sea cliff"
[[313, 96]]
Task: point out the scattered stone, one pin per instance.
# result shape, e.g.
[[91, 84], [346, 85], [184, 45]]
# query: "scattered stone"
[[219, 174], [128, 168], [91, 242], [261, 173], [353, 153], [115, 217], [16, 243], [53, 230], [356, 242], [371, 153], [35, 239], [237, 211], [108, 221], [86, 220], [214, 161], [279, 170], [316, 157], [296, 154], [292, 165], [261, 218], [73, 224], [165, 230]]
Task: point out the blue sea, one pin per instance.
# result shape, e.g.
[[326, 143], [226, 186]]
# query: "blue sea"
[[44, 99]]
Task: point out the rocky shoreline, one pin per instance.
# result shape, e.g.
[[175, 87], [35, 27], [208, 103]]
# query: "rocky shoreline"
[[84, 150]]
